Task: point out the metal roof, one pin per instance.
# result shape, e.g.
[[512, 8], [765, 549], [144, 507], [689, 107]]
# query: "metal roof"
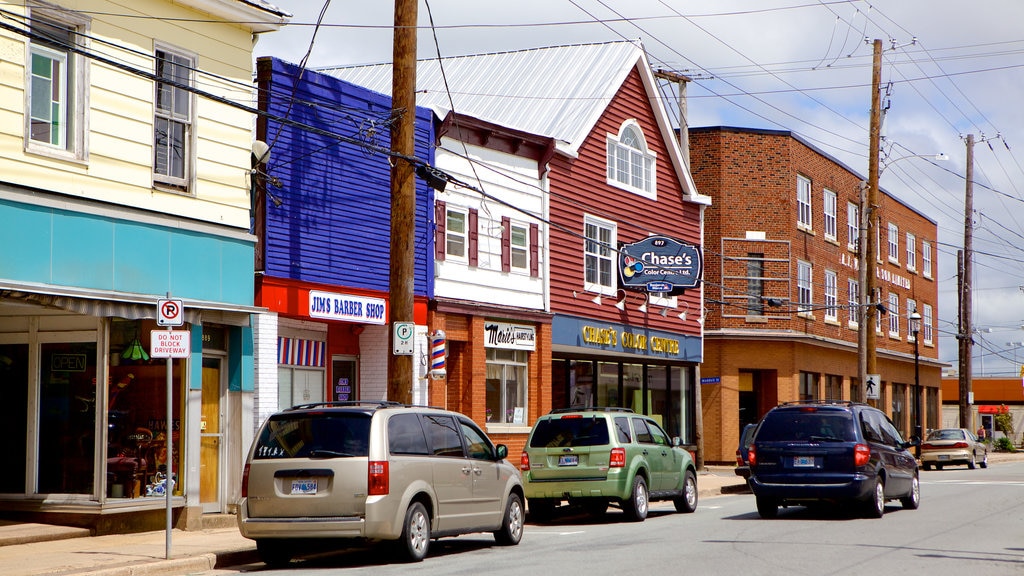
[[558, 91]]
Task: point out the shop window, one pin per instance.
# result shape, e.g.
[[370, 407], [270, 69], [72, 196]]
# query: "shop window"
[[608, 384], [632, 380], [808, 386], [299, 386], [581, 384], [13, 416], [833, 387], [506, 386]]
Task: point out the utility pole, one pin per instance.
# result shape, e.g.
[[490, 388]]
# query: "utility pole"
[[403, 192], [867, 359], [964, 333]]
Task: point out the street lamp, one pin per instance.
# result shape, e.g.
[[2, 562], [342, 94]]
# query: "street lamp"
[[915, 329]]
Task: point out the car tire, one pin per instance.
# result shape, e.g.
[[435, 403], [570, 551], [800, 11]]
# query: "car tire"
[[971, 465], [638, 504], [874, 506], [274, 553], [541, 509], [511, 531], [767, 507], [913, 500], [414, 543], [688, 501], [984, 461]]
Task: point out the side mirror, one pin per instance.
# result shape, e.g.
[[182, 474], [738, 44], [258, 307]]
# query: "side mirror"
[[500, 452], [676, 441]]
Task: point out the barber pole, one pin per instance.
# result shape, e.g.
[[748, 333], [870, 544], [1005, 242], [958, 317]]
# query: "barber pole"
[[437, 355]]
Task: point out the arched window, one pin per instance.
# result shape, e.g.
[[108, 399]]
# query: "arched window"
[[630, 163]]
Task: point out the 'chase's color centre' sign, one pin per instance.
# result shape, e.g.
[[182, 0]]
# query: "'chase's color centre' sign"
[[660, 264], [347, 307]]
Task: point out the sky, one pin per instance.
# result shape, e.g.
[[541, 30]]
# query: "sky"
[[949, 69]]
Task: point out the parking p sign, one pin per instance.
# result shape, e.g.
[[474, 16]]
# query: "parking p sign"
[[170, 312]]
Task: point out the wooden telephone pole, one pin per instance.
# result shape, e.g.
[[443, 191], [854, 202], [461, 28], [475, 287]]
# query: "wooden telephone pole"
[[867, 359], [965, 332], [403, 193]]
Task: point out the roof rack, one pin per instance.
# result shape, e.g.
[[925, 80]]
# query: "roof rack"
[[339, 404], [823, 402], [592, 409]]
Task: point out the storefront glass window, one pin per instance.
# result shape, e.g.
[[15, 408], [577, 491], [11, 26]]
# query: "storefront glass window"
[[608, 384], [632, 380], [137, 416], [67, 418], [13, 415], [506, 386], [581, 384], [657, 392]]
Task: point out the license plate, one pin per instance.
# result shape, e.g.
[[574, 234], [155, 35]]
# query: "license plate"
[[943, 456], [304, 486], [568, 460], [803, 461]]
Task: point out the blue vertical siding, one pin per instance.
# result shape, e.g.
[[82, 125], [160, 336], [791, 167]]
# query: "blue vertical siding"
[[333, 225]]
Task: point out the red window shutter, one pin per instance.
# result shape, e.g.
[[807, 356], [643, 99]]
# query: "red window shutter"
[[474, 239], [534, 250], [440, 225], [506, 244]]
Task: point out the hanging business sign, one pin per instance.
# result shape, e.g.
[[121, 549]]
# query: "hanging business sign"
[[660, 264]]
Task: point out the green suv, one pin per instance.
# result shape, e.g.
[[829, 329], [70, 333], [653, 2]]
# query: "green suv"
[[593, 457]]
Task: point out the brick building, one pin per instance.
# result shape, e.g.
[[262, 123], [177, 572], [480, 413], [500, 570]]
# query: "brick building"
[[781, 285]]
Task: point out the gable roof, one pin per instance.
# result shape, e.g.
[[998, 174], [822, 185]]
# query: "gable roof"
[[257, 15], [558, 91]]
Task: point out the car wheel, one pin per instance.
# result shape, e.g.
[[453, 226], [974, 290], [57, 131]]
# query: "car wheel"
[[637, 506], [511, 531], [926, 466], [984, 460], [767, 507], [913, 500], [688, 501], [274, 553], [971, 462], [415, 539], [541, 509], [874, 506]]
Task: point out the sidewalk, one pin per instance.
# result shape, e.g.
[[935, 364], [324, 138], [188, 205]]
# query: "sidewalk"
[[37, 549]]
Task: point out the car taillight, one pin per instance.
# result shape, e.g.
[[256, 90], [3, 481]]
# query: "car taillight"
[[960, 445], [618, 458], [739, 459], [752, 457], [245, 481], [524, 462], [927, 446], [861, 454], [377, 480]]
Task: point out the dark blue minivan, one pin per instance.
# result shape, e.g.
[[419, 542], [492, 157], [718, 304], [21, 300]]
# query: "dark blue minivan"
[[814, 452]]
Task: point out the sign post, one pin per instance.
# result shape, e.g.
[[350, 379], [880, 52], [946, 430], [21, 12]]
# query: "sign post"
[[167, 344]]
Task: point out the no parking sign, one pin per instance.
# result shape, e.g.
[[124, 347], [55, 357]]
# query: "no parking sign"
[[170, 312]]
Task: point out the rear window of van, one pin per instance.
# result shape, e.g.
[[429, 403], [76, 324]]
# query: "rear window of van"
[[320, 435]]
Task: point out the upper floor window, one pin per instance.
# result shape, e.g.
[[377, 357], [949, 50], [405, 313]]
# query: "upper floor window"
[[911, 308], [830, 214], [519, 247], [803, 203], [598, 255], [911, 252], [853, 299], [172, 124], [755, 284], [926, 258], [831, 296], [894, 315], [456, 233], [926, 323], [894, 243], [804, 285], [56, 95], [630, 162], [852, 226]]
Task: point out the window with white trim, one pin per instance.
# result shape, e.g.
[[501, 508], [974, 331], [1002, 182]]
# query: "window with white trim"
[[507, 386], [926, 258], [831, 297], [829, 202], [894, 315], [805, 293], [926, 323], [852, 226], [803, 203], [519, 246], [56, 95], [853, 300], [172, 123], [894, 243], [630, 162], [599, 255], [911, 252], [456, 237]]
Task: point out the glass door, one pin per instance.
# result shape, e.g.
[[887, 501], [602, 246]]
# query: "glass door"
[[211, 435], [14, 416], [67, 418]]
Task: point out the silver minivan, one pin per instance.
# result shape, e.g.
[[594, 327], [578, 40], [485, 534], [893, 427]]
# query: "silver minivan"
[[375, 471]]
